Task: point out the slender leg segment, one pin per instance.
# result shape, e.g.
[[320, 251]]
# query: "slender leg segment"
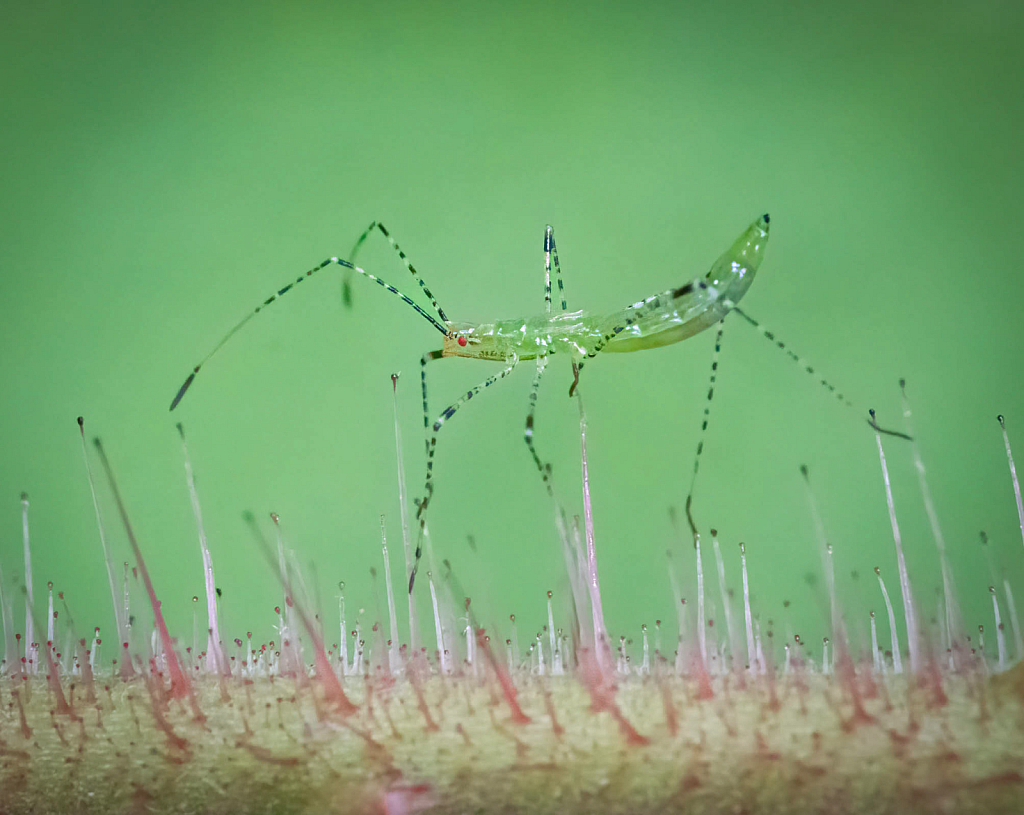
[[704, 426], [634, 313], [428, 357], [549, 243], [799, 360], [428, 488], [543, 469], [412, 269], [550, 256], [551, 253]]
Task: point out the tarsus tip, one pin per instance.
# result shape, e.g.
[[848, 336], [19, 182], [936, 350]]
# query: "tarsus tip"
[[181, 391]]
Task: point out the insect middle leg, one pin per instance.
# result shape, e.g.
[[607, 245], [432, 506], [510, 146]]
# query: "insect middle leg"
[[712, 379], [542, 468], [430, 356]]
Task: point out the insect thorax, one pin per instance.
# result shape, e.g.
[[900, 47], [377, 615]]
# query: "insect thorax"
[[570, 332]]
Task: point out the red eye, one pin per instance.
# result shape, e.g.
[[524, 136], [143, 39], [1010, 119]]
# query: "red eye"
[[462, 341]]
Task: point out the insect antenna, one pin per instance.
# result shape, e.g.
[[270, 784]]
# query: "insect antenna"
[[285, 289], [346, 288]]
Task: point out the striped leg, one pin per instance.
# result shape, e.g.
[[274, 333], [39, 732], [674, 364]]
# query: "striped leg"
[[800, 361], [440, 326], [427, 357], [635, 312], [543, 469], [378, 226], [428, 488], [704, 426], [550, 257], [551, 253]]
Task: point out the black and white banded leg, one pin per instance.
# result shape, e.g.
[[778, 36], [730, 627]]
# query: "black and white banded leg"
[[428, 487], [551, 254], [438, 324], [704, 427], [378, 226], [430, 356], [550, 258], [542, 468], [799, 360], [636, 311]]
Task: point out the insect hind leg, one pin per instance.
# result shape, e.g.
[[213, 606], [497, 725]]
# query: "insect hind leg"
[[712, 379], [808, 368], [799, 360]]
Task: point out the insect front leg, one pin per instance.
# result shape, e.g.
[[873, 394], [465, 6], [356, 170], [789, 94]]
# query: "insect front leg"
[[428, 488], [428, 357], [543, 469], [283, 290]]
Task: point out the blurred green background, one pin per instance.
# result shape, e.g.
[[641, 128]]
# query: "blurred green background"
[[167, 167]]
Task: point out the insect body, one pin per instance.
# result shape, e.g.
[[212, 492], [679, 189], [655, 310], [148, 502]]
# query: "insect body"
[[658, 320]]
